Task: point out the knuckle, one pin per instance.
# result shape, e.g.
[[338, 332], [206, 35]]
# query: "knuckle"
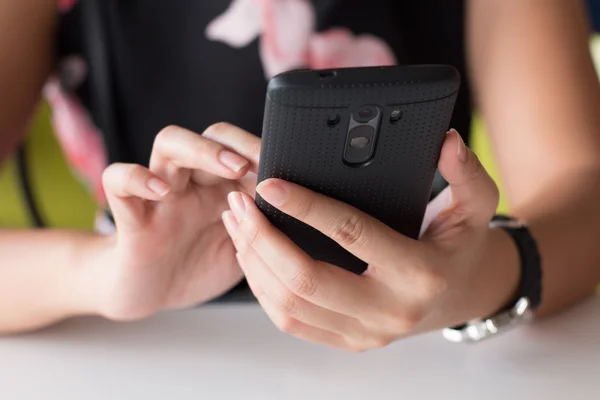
[[165, 134], [405, 322], [254, 147], [216, 130], [371, 342], [251, 234], [350, 231], [304, 209], [257, 291], [397, 322], [476, 168], [432, 284], [304, 284], [203, 146], [128, 311], [287, 324], [378, 342], [109, 172], [288, 304], [134, 174]]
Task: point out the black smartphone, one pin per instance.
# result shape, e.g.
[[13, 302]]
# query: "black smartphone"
[[370, 137]]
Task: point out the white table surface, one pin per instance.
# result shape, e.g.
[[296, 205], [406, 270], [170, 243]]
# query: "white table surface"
[[233, 352]]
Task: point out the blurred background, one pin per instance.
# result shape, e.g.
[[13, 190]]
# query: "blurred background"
[[62, 201]]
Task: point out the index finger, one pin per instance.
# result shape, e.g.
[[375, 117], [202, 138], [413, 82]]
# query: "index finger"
[[237, 139], [362, 235], [222, 151], [320, 283]]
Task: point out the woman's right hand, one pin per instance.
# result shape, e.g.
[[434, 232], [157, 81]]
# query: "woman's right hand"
[[170, 249]]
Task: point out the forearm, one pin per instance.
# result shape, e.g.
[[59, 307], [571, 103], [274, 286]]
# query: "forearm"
[[566, 228], [538, 91], [535, 84], [45, 276]]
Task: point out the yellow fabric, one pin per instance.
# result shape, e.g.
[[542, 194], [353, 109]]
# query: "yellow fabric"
[[482, 147], [11, 212], [62, 200]]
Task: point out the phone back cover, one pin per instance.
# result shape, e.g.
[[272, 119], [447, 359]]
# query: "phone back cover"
[[299, 146]]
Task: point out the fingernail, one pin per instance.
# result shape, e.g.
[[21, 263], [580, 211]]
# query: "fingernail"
[[231, 225], [272, 192], [236, 202], [461, 150], [233, 161], [157, 186]]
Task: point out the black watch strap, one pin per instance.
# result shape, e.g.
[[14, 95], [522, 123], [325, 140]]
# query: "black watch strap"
[[530, 258]]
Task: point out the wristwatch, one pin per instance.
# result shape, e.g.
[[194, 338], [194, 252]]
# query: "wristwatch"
[[529, 298]]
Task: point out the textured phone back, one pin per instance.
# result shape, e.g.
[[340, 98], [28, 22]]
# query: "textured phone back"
[[299, 146]]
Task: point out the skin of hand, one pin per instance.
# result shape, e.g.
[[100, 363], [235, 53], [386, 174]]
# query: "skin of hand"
[[411, 286], [170, 249]]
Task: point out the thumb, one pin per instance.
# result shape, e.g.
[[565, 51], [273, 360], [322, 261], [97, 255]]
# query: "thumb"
[[474, 193]]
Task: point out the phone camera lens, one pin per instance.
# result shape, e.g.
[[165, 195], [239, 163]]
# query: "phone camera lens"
[[365, 113]]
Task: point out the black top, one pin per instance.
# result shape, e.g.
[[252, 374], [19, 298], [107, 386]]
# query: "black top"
[[164, 71], [152, 66]]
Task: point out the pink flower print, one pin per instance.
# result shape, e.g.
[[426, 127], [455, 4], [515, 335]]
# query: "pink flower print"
[[66, 5], [284, 27], [287, 29], [339, 48], [287, 38], [78, 137], [238, 26]]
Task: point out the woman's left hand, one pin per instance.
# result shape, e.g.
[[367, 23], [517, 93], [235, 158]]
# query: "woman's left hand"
[[411, 286]]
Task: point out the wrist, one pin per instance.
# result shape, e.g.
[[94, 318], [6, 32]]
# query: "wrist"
[[90, 258], [500, 274], [509, 286]]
